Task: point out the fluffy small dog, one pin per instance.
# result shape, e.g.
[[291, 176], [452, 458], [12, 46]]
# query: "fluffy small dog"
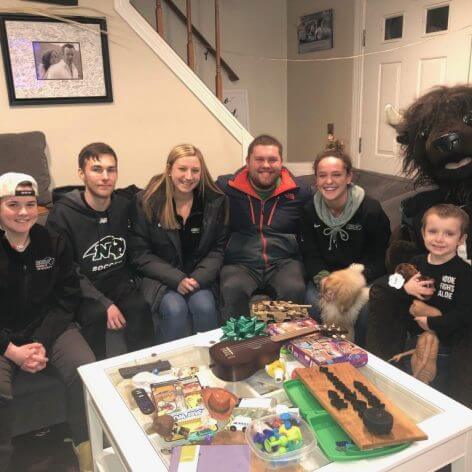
[[342, 296]]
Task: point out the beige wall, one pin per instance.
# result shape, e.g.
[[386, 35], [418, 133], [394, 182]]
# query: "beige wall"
[[152, 111], [253, 33], [319, 92]]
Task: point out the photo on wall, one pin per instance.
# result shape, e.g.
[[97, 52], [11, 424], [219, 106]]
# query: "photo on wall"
[[49, 60], [315, 32]]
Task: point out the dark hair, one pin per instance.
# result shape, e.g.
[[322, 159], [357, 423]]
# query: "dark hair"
[[446, 210], [94, 151], [46, 59], [264, 140], [336, 152], [67, 46]]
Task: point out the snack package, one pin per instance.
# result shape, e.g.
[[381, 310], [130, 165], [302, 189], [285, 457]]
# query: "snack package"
[[316, 349], [183, 400], [290, 329]]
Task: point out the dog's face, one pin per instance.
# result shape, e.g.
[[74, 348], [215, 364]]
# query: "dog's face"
[[342, 288]]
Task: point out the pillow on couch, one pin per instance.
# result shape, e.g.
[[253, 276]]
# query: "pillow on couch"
[[25, 152]]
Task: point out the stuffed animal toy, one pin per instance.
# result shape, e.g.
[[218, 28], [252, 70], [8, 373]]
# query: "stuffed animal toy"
[[436, 137], [424, 356], [343, 294]]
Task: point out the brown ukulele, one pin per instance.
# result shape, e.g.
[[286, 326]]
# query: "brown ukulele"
[[238, 360]]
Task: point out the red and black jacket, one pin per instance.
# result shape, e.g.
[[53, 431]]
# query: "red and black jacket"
[[263, 232]]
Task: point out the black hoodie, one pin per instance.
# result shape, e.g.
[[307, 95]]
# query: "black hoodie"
[[39, 290], [98, 239]]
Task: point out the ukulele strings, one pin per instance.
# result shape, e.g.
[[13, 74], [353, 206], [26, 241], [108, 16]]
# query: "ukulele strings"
[[249, 344]]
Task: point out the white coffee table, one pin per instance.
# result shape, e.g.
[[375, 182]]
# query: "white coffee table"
[[447, 423]]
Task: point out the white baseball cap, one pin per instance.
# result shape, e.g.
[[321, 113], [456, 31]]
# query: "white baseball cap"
[[9, 185]]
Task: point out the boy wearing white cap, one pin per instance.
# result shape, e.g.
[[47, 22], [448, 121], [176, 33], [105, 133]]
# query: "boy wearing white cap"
[[39, 294]]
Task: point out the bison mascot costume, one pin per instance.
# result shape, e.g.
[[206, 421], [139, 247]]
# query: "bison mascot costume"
[[436, 137]]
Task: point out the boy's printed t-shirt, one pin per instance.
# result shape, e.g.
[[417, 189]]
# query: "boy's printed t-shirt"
[[452, 296]]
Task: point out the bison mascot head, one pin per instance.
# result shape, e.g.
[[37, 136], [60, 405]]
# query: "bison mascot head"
[[436, 135]]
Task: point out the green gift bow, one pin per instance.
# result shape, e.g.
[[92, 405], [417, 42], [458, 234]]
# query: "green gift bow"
[[237, 329]]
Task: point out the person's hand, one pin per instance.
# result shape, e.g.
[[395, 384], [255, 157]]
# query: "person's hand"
[[37, 361], [21, 354], [419, 308], [418, 288], [187, 285], [422, 322], [115, 319]]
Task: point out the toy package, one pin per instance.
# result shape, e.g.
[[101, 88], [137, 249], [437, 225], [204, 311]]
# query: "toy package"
[[315, 349], [183, 400], [291, 329]]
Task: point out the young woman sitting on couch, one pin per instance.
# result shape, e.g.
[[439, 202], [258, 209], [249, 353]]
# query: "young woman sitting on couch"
[[341, 225], [178, 234]]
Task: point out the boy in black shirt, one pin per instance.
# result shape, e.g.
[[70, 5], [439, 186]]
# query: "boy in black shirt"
[[95, 222], [450, 307], [446, 307]]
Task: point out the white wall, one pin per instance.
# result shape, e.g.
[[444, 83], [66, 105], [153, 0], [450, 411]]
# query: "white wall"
[[152, 111], [319, 92], [253, 33]]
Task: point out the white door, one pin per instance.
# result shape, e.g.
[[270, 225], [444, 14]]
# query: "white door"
[[400, 69]]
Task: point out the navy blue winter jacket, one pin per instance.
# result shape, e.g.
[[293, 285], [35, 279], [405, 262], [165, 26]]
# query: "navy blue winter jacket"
[[263, 232]]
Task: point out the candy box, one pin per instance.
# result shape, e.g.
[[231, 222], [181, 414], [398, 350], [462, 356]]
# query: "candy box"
[[315, 349], [280, 440]]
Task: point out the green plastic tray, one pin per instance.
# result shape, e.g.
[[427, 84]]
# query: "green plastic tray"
[[327, 431]]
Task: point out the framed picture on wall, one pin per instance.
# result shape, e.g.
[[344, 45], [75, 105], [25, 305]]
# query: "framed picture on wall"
[[51, 61], [315, 31]]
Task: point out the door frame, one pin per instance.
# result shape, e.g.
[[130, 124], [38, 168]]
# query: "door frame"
[[357, 80]]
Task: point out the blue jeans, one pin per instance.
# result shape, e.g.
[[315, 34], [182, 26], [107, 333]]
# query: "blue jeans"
[[312, 297], [180, 316]]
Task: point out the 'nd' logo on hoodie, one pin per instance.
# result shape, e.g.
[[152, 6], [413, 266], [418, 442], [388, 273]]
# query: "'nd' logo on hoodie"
[[106, 249]]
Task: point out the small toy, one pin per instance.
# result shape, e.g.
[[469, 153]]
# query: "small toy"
[[164, 425], [219, 402], [284, 434], [239, 423], [278, 310], [276, 370]]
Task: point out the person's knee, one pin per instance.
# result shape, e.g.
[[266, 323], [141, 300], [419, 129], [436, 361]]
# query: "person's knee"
[[230, 287], [292, 289], [91, 313], [202, 303], [173, 306]]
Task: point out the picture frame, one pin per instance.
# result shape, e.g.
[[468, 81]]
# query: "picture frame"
[[49, 61], [315, 32]]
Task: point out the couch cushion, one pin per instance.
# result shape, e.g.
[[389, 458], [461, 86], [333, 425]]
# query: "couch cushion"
[[382, 187], [25, 152]]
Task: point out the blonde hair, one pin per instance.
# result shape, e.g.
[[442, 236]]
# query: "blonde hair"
[[162, 184]]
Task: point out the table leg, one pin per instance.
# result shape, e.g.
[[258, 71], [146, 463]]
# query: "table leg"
[[464, 464], [95, 430]]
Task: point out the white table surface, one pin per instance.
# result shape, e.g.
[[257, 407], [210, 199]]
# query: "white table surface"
[[449, 430]]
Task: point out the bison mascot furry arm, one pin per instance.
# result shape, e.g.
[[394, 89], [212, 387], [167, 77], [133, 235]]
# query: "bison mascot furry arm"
[[436, 137]]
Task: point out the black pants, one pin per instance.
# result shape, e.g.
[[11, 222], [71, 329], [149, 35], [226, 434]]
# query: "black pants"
[[68, 352], [92, 316], [238, 283]]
